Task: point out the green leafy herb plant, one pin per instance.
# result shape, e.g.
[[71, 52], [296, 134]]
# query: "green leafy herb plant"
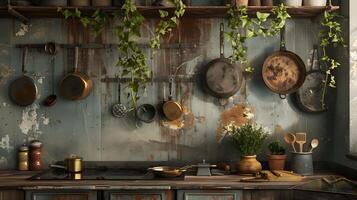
[[247, 139], [239, 21], [276, 149], [330, 36], [167, 23]]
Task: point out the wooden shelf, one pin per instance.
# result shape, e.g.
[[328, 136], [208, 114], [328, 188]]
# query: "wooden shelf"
[[152, 12]]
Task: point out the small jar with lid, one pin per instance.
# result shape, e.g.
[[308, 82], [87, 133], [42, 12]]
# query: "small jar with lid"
[[35, 163], [23, 158]]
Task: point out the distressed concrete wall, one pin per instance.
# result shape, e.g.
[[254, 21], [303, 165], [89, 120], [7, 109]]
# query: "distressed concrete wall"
[[87, 128]]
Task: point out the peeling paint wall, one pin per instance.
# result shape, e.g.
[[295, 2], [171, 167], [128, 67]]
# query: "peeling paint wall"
[[87, 127]]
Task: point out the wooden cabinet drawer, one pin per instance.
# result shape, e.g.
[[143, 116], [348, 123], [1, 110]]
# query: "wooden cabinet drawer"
[[61, 195], [209, 195], [12, 194], [142, 195]]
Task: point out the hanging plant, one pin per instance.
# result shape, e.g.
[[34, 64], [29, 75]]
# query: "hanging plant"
[[132, 60], [167, 23], [330, 35], [238, 20], [95, 22]]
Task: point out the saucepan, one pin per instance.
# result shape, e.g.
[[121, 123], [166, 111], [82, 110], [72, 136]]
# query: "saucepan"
[[72, 164], [168, 171]]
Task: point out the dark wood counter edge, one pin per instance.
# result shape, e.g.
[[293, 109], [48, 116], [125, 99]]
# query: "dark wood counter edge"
[[352, 156], [20, 180]]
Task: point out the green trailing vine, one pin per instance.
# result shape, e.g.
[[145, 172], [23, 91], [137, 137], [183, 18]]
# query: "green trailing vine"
[[167, 23], [95, 22], [239, 20], [330, 35], [132, 60]]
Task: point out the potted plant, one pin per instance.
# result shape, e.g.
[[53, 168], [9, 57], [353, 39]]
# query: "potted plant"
[[277, 156], [248, 139]]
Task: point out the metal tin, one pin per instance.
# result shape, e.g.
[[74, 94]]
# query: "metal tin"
[[73, 164], [23, 157], [301, 163]]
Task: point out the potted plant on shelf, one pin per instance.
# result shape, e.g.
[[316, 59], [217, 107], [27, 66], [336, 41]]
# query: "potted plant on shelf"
[[248, 139], [277, 156]]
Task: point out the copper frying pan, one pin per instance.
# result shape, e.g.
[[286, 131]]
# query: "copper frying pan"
[[172, 109], [23, 90], [283, 71], [76, 85]]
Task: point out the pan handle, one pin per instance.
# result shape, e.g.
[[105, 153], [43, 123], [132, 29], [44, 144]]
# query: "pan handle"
[[221, 40], [76, 52], [282, 96], [171, 80], [282, 39], [24, 59]]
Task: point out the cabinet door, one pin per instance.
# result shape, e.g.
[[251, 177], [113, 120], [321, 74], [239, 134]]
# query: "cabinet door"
[[142, 195], [61, 195], [12, 194], [209, 195]]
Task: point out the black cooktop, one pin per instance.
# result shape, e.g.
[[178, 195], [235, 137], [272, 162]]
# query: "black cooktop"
[[101, 173]]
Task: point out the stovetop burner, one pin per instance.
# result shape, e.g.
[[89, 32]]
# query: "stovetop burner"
[[100, 173]]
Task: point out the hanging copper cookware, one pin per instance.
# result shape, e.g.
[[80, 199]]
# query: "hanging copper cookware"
[[75, 85], [23, 90], [283, 71], [220, 78], [171, 108]]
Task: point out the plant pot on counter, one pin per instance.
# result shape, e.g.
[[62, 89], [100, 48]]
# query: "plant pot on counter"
[[292, 3], [314, 2], [276, 162], [79, 2], [249, 165], [101, 2]]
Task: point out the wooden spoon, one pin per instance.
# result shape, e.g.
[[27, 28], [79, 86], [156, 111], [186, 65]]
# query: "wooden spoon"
[[314, 144], [290, 139]]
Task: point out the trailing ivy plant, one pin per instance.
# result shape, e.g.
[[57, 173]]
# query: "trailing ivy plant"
[[132, 59], [330, 35], [238, 20], [95, 22], [167, 23]]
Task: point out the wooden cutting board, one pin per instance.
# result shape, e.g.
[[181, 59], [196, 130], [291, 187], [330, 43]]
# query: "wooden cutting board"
[[274, 176]]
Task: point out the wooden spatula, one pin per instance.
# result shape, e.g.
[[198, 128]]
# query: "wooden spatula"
[[301, 140]]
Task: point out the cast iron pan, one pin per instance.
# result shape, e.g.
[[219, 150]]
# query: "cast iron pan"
[[220, 77], [23, 90], [309, 95], [283, 71]]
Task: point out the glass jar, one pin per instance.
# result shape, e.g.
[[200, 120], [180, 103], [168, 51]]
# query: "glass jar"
[[23, 158], [35, 163]]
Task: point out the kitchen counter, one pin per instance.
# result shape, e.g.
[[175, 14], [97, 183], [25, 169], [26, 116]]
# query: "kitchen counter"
[[19, 180]]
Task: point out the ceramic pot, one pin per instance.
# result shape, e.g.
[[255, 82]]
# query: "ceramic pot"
[[79, 2], [292, 3], [314, 2], [267, 2], [101, 2], [277, 162], [240, 2], [54, 2], [249, 165], [254, 3]]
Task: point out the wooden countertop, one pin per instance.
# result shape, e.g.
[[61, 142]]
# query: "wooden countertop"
[[18, 180]]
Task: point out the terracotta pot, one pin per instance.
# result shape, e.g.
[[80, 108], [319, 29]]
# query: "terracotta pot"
[[267, 3], [277, 162], [314, 2], [254, 3], [79, 2], [101, 2], [249, 165], [240, 2]]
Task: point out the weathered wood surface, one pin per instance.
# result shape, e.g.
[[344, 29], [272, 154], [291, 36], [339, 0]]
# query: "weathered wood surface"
[[14, 179]]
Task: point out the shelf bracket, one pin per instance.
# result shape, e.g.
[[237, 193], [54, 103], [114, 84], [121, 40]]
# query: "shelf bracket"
[[16, 14]]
